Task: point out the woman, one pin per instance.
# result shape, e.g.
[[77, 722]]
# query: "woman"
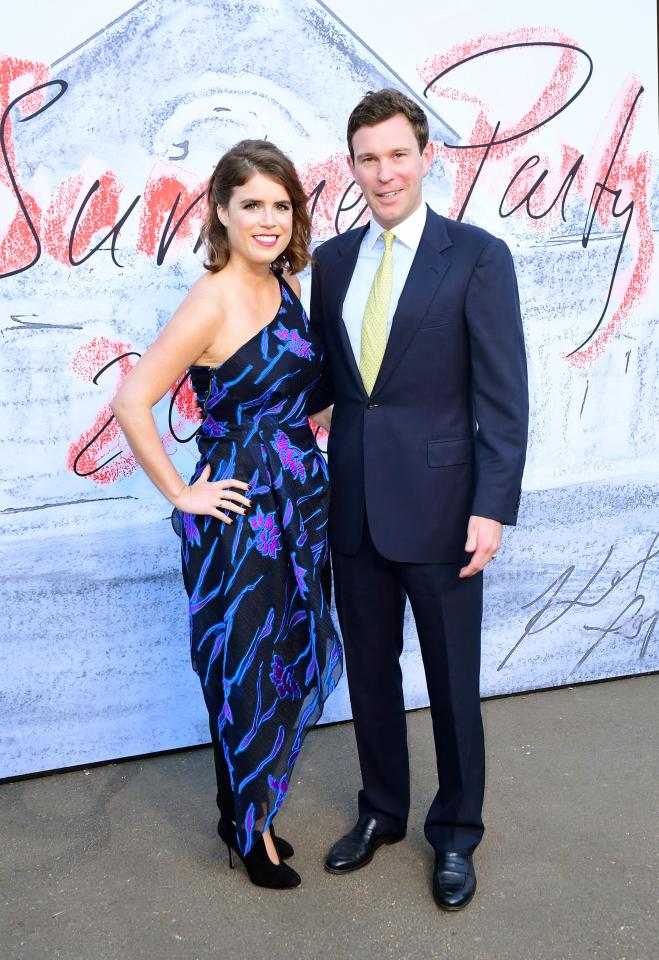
[[253, 519]]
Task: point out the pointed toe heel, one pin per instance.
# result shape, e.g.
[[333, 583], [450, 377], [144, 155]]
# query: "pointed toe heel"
[[227, 828], [260, 868]]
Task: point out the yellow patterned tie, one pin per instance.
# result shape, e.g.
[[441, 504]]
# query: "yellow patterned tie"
[[376, 316]]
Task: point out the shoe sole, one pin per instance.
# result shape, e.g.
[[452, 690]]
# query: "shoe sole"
[[341, 870]]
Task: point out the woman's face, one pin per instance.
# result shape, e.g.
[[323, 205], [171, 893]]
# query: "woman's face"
[[258, 219]]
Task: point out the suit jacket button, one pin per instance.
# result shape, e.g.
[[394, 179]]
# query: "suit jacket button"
[[371, 406]]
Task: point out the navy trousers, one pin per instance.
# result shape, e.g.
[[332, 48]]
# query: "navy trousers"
[[370, 601]]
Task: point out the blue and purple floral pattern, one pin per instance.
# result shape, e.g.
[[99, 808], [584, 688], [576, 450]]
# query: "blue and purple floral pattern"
[[262, 639], [294, 342], [292, 459], [283, 678], [267, 533]]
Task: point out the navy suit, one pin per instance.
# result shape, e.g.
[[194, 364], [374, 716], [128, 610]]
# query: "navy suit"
[[441, 437]]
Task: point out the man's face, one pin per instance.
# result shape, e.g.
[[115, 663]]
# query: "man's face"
[[389, 169]]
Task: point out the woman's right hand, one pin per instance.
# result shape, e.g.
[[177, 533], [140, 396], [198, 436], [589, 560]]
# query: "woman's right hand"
[[213, 498]]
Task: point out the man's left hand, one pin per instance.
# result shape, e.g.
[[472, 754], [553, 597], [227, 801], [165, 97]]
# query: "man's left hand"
[[483, 542]]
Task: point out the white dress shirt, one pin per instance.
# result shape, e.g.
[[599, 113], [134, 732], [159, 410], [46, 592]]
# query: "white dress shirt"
[[408, 235]]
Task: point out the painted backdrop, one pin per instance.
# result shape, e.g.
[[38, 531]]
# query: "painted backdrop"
[[544, 134]]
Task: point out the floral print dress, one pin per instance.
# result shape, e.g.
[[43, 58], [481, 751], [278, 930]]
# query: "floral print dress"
[[262, 639]]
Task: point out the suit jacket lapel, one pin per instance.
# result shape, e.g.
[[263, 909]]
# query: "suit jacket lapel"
[[340, 275], [426, 273]]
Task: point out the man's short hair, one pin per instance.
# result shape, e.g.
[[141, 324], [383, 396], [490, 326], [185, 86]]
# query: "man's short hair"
[[379, 105]]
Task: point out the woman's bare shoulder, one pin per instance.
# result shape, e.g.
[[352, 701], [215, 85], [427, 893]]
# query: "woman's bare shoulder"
[[205, 301], [208, 292], [294, 283]]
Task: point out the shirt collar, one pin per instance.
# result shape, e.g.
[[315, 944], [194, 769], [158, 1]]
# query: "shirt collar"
[[408, 232]]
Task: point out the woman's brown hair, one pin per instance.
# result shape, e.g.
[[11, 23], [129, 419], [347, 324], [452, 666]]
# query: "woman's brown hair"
[[233, 170]]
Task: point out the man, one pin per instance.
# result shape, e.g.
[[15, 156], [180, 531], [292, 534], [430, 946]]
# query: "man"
[[427, 372]]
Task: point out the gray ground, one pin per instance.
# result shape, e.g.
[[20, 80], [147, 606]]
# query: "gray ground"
[[122, 861]]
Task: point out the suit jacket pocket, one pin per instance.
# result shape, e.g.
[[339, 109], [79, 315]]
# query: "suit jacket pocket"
[[444, 318], [449, 453]]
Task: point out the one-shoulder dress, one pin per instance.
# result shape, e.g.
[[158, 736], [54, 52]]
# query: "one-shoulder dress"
[[262, 639]]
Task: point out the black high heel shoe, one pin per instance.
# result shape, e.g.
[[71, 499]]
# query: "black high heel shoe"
[[283, 847], [260, 868]]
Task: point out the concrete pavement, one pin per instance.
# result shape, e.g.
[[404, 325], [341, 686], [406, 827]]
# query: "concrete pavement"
[[122, 862]]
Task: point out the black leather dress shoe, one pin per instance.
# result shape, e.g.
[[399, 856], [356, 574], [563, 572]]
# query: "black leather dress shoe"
[[358, 847], [453, 881]]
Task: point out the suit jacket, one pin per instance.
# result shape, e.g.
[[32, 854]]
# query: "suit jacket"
[[443, 434]]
